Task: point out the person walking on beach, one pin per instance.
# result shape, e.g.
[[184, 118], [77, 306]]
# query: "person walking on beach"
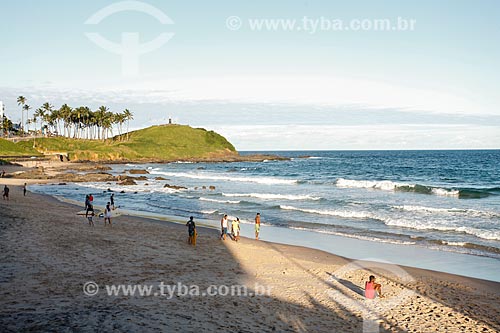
[[90, 218], [223, 225], [372, 288], [24, 189], [257, 225], [5, 194], [236, 229], [112, 200], [191, 231], [107, 214]]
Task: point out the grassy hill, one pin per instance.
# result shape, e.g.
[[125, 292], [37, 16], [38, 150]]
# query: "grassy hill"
[[156, 143], [8, 148]]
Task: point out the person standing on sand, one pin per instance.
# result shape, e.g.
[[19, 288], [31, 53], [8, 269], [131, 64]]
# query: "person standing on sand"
[[90, 218], [24, 189], [257, 225], [372, 288], [112, 200], [236, 229], [6, 193], [191, 231], [223, 225], [107, 214]]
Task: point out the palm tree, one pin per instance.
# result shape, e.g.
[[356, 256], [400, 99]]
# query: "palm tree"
[[27, 108], [43, 113], [128, 116], [21, 100]]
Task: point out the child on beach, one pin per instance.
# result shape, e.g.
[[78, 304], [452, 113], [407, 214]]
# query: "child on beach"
[[107, 214], [5, 194], [257, 225], [372, 288], [236, 229], [24, 189], [191, 231], [112, 200]]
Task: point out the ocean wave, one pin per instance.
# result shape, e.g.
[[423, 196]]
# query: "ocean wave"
[[419, 225], [258, 180], [221, 201], [360, 237], [338, 213], [387, 185], [208, 212], [140, 187], [272, 196], [448, 211]]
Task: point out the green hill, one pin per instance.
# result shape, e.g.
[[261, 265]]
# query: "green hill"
[[155, 144], [8, 148]]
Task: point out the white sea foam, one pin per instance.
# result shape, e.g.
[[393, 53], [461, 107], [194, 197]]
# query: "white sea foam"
[[209, 211], [272, 196], [367, 238], [448, 211], [386, 185], [339, 213], [259, 180], [221, 201], [445, 192], [443, 226]]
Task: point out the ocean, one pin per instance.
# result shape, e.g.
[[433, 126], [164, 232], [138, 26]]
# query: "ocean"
[[442, 200]]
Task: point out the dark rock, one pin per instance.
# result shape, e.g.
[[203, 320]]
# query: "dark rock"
[[175, 187], [137, 171], [211, 188]]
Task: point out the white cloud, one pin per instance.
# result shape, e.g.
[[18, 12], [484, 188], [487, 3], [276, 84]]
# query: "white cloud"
[[313, 137]]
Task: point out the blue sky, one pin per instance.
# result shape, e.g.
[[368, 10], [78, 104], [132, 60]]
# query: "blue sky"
[[433, 87]]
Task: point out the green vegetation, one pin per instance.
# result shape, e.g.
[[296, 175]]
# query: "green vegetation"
[[8, 148], [157, 143]]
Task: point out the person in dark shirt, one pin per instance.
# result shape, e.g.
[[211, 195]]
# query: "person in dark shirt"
[[6, 193], [191, 231]]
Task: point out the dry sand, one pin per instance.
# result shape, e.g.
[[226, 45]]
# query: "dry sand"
[[48, 254]]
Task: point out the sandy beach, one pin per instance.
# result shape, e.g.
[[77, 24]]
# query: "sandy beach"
[[49, 254]]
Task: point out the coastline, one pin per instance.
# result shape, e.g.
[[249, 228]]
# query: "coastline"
[[300, 277]]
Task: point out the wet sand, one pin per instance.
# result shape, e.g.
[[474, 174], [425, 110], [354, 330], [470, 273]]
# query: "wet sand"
[[48, 254]]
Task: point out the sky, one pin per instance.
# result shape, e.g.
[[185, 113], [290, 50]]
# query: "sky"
[[208, 64]]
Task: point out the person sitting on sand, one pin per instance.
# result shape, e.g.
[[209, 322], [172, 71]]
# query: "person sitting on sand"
[[191, 231], [6, 193], [236, 229], [372, 288], [107, 214], [223, 225], [257, 225]]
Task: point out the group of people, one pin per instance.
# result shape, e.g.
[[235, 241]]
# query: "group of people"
[[6, 191], [231, 230], [234, 231], [90, 213]]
